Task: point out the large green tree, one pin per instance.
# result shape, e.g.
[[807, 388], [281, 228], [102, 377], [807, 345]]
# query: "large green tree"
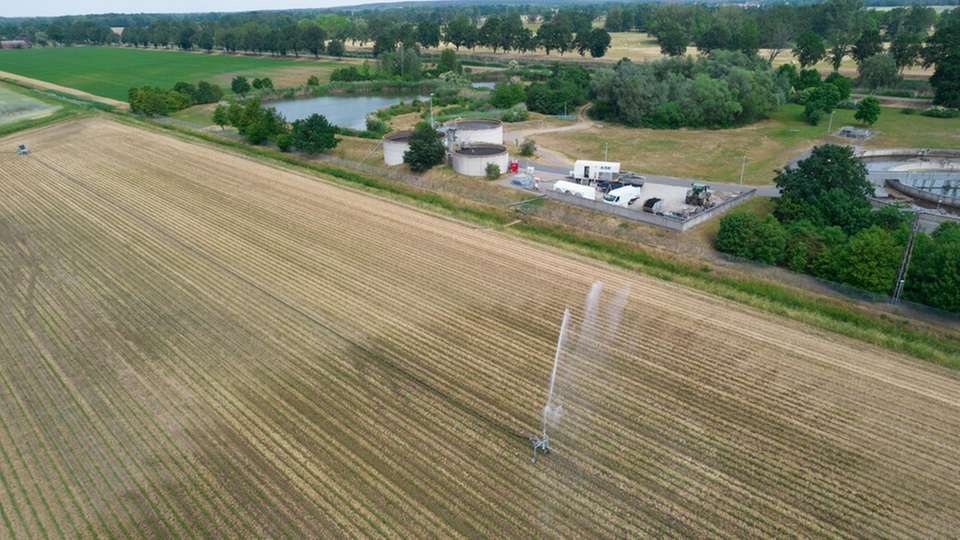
[[314, 134], [809, 49], [934, 274], [943, 53], [828, 188], [426, 148]]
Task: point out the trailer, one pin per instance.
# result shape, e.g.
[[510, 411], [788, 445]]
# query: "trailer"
[[585, 171], [577, 190]]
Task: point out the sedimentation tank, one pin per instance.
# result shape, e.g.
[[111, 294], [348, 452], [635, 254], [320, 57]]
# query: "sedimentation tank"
[[472, 160], [467, 132], [394, 146]]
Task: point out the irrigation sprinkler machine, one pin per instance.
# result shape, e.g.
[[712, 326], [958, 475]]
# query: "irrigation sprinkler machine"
[[551, 411], [22, 150]]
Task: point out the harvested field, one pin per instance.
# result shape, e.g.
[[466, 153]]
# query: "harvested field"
[[195, 343]]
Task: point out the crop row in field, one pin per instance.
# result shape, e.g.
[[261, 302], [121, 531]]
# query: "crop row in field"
[[201, 344]]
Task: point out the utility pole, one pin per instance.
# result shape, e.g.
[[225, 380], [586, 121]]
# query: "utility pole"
[[431, 109], [905, 261], [743, 166]]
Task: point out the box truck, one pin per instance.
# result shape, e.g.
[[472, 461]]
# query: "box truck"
[[585, 171]]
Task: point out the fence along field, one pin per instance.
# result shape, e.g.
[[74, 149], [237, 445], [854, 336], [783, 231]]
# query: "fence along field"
[[199, 344]]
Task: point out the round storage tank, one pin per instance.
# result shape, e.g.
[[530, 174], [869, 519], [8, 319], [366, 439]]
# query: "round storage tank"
[[472, 160], [394, 146], [476, 131]]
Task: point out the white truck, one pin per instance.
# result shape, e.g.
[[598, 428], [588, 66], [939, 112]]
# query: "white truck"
[[591, 171], [575, 189], [624, 196]]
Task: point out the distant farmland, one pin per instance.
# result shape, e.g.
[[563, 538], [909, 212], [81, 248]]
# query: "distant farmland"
[[193, 343], [112, 71]]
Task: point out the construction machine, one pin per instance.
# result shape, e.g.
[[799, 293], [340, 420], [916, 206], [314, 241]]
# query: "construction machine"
[[699, 195]]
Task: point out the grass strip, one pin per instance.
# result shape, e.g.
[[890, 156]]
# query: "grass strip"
[[883, 330]]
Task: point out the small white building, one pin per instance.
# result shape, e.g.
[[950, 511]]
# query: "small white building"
[[472, 160], [395, 145]]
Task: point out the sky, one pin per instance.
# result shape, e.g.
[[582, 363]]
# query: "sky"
[[20, 8]]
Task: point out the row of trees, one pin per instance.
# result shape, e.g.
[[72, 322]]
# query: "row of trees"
[[824, 225], [259, 125], [298, 33], [153, 101], [721, 90], [882, 44]]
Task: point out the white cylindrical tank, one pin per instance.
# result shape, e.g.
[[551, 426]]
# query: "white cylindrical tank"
[[472, 160], [394, 146], [476, 131]]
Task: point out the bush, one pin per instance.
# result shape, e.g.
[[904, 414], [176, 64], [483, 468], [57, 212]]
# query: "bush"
[[506, 95], [748, 236], [351, 74], [868, 110], [336, 48], [208, 93], [284, 142], [263, 84], [492, 171], [153, 101], [376, 125], [313, 81], [517, 113], [240, 85], [941, 112], [528, 148]]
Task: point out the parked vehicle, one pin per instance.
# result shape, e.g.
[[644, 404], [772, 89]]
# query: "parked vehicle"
[[575, 189], [624, 196], [524, 181], [653, 205], [592, 171]]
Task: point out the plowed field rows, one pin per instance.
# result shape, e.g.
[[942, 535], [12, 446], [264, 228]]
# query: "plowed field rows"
[[194, 343]]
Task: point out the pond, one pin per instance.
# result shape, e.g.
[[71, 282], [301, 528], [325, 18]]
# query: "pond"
[[344, 111], [483, 84]]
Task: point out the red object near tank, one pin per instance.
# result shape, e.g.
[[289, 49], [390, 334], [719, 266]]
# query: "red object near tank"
[[514, 166]]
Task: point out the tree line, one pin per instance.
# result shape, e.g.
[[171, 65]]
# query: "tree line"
[[882, 43]]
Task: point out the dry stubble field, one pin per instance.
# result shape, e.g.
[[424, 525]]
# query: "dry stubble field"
[[194, 343]]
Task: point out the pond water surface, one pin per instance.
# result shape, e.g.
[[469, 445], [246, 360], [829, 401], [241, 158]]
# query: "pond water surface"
[[344, 111]]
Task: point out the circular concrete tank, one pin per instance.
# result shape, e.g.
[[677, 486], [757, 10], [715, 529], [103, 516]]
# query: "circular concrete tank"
[[472, 160], [476, 131], [394, 146]]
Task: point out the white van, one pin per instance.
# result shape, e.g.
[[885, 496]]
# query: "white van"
[[624, 196], [577, 190]]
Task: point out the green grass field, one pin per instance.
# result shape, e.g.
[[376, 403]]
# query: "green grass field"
[[716, 154], [112, 71]]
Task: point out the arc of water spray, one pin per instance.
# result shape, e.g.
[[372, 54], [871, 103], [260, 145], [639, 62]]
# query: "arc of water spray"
[[553, 372]]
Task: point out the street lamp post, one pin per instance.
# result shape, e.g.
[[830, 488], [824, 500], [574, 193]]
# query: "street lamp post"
[[431, 109], [743, 166]]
